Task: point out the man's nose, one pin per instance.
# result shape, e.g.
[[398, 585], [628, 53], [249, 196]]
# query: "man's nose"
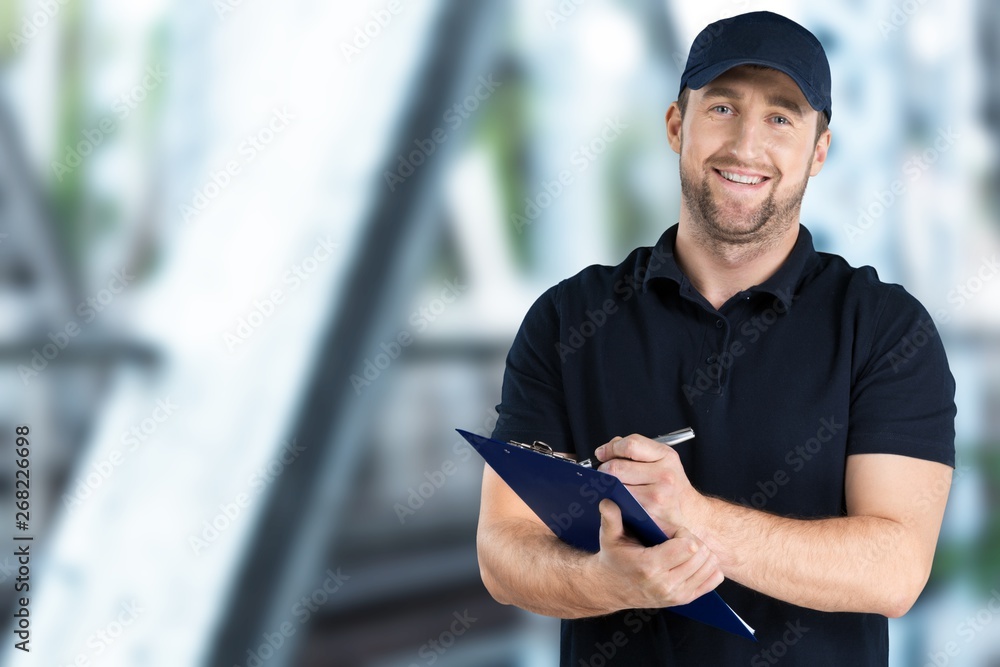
[[746, 142]]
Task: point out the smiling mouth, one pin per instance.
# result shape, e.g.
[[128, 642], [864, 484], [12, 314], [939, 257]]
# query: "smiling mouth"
[[742, 179]]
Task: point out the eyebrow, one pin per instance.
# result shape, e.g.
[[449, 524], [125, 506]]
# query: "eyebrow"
[[773, 99], [722, 91]]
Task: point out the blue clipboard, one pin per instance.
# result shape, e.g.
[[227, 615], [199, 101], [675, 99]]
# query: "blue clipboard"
[[565, 496]]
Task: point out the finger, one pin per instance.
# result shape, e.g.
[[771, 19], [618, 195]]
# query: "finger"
[[635, 447], [612, 529], [684, 532], [689, 588], [683, 556], [707, 578], [633, 473], [603, 448], [709, 562]]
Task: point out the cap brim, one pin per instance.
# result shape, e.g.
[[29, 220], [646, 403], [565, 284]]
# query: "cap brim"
[[703, 77]]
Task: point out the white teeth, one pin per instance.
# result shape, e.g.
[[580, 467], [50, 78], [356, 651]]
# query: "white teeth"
[[739, 178]]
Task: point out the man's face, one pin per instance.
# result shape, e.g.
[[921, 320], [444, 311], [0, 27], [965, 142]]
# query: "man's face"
[[747, 142]]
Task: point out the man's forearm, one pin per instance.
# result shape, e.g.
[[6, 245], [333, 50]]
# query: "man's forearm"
[[856, 563], [524, 564], [875, 560]]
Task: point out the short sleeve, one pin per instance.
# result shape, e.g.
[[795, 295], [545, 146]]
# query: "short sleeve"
[[532, 403], [903, 396]]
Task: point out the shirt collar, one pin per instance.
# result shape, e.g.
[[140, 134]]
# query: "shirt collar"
[[660, 263]]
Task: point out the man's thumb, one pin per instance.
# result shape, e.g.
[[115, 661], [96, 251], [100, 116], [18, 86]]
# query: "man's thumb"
[[611, 519]]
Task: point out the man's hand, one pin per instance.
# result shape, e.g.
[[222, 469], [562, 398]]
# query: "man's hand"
[[676, 572], [622, 575], [876, 559], [653, 473]]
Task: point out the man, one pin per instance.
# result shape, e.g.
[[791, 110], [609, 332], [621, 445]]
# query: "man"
[[821, 399]]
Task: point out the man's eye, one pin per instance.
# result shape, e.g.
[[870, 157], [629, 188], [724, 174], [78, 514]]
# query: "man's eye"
[[720, 108], [781, 120]]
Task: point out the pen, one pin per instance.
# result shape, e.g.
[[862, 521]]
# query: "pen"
[[672, 438]]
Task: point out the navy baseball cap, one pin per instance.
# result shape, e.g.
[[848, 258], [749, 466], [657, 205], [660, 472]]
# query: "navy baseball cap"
[[761, 38]]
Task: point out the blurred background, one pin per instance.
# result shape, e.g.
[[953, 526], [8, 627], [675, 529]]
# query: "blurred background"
[[258, 260]]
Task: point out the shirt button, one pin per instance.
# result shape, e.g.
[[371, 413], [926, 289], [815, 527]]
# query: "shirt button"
[[718, 324], [710, 360]]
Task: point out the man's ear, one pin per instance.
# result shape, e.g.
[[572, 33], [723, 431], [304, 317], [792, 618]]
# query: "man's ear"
[[674, 122], [820, 152]]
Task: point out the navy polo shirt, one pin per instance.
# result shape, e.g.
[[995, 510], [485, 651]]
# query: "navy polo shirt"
[[781, 384]]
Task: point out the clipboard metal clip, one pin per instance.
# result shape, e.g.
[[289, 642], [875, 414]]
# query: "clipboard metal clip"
[[536, 446], [543, 448], [671, 439]]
